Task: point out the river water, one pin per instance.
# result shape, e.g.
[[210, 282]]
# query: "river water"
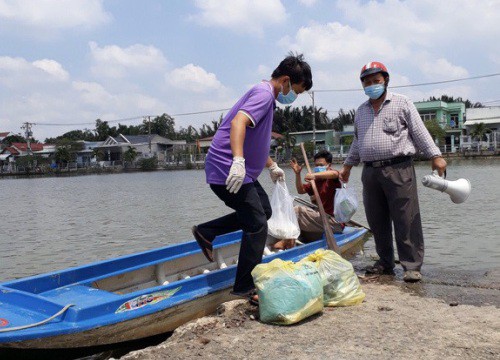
[[53, 223]]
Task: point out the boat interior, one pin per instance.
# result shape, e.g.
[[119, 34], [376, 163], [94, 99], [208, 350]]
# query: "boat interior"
[[176, 269]]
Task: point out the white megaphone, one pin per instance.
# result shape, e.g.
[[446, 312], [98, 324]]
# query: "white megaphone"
[[459, 190]]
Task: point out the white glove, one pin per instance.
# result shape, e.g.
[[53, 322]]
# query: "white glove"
[[276, 173], [236, 175]]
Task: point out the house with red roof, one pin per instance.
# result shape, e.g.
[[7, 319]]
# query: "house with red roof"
[[3, 135], [16, 150]]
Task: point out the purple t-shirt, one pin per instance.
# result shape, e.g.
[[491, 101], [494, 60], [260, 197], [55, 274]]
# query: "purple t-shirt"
[[258, 103]]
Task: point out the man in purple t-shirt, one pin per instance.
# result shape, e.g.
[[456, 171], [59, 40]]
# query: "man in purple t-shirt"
[[238, 154]]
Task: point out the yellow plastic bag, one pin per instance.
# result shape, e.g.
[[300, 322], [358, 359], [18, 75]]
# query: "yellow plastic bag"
[[341, 286], [288, 292]]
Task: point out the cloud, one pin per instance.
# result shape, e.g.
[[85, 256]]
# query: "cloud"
[[193, 78], [240, 16], [54, 14], [308, 3], [117, 62], [334, 41], [53, 68], [265, 71], [16, 72], [425, 22], [442, 69], [42, 91], [93, 93]]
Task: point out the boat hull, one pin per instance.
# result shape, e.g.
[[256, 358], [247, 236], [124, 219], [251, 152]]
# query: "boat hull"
[[163, 321], [105, 295]]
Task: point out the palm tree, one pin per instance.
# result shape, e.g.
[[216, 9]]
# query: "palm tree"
[[62, 155], [130, 155], [479, 131], [288, 142], [98, 154], [343, 118]]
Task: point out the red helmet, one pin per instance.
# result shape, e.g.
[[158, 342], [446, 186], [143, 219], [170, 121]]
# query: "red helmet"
[[373, 68]]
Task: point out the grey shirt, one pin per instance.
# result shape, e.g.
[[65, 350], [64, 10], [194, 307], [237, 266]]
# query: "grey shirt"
[[396, 130]]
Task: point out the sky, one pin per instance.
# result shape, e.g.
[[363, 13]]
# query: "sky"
[[70, 62]]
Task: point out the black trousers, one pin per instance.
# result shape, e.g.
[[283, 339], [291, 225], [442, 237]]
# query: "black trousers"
[[252, 210]]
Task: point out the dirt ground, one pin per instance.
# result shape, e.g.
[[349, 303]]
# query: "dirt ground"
[[395, 321]]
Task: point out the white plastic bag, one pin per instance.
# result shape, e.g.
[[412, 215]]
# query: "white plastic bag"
[[345, 203], [283, 223]]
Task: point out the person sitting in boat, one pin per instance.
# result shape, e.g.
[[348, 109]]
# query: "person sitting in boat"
[[327, 181], [238, 154]]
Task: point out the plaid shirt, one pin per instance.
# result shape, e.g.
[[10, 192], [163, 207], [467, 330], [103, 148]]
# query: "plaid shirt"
[[396, 130]]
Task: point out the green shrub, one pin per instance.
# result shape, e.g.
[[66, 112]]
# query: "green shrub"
[[148, 164]]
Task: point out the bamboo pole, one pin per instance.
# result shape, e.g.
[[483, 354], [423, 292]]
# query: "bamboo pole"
[[330, 239]]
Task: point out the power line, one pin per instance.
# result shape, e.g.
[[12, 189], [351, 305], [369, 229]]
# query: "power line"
[[489, 102], [315, 91], [414, 85], [133, 118], [93, 123]]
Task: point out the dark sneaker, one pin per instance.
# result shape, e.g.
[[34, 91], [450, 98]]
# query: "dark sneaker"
[[378, 269], [205, 245], [250, 295], [412, 276]]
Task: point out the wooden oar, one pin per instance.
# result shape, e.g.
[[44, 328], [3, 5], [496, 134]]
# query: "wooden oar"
[[330, 239], [315, 207]]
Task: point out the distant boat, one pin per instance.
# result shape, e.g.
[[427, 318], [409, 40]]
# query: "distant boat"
[[129, 297]]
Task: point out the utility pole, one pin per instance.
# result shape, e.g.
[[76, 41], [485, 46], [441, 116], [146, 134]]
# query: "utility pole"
[[149, 132], [28, 134], [313, 121]]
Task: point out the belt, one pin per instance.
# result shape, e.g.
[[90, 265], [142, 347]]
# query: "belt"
[[387, 162]]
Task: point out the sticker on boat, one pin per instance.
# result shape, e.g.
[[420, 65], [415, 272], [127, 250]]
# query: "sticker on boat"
[[3, 322], [147, 299]]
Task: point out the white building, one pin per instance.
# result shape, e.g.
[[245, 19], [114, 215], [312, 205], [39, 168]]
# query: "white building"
[[490, 117]]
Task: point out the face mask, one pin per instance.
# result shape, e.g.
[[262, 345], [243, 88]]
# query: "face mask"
[[375, 91], [320, 169], [288, 98]]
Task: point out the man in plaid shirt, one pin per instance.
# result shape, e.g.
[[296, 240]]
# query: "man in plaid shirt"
[[388, 132]]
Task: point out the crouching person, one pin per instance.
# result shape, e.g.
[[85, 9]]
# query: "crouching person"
[[327, 181]]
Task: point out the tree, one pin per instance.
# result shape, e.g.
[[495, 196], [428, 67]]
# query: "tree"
[[98, 154], [62, 155], [130, 130], [479, 131], [163, 125], [130, 155], [13, 139], [103, 130], [450, 99], [343, 119], [287, 142], [436, 131]]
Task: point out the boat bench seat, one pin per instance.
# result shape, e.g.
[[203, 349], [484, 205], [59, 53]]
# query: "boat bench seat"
[[80, 295]]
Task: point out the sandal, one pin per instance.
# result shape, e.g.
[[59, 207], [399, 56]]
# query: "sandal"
[[204, 244], [251, 296], [378, 269]]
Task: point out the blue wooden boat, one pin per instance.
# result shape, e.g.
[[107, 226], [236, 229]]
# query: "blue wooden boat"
[[129, 297]]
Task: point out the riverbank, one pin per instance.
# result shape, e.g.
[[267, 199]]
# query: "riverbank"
[[393, 321], [117, 169]]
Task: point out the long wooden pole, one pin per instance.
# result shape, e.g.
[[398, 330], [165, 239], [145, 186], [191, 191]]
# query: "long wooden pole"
[[330, 239]]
